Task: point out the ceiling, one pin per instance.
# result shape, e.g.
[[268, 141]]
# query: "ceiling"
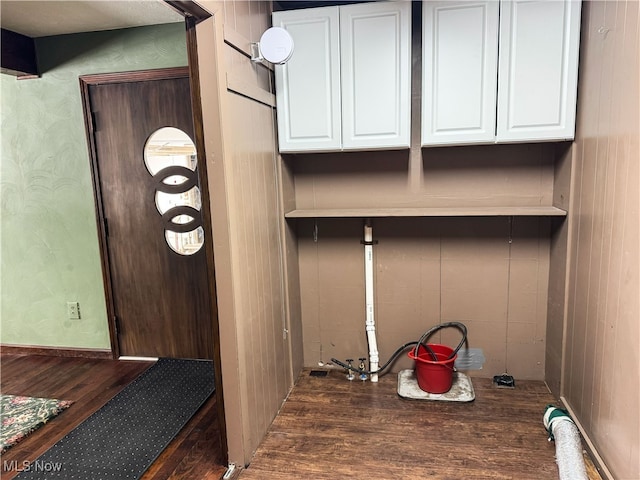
[[58, 17]]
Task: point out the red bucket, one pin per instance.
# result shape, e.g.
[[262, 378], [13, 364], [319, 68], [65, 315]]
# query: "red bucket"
[[434, 376]]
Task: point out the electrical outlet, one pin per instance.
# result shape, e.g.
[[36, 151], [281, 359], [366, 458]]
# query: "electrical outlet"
[[73, 310]]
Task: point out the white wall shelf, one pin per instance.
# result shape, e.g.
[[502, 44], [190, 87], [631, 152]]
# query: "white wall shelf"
[[536, 211]]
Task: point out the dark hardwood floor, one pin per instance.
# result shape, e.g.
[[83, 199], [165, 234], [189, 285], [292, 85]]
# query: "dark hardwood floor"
[[90, 383], [330, 428]]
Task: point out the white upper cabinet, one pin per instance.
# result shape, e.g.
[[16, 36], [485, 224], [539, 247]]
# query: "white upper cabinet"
[[375, 41], [347, 85], [499, 72], [308, 85], [538, 70], [459, 58]]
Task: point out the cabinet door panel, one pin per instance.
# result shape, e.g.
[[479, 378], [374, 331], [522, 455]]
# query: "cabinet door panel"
[[308, 85], [376, 75], [460, 65], [537, 70]]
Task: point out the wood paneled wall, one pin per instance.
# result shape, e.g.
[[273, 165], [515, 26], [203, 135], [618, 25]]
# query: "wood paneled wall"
[[487, 175], [601, 369], [248, 224], [428, 271], [556, 302]]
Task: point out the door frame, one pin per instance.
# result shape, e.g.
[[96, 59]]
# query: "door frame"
[[193, 14]]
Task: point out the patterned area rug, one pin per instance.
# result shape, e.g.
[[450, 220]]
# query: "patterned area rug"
[[22, 415]]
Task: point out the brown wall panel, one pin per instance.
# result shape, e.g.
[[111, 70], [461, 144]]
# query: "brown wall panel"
[[428, 271], [601, 377], [556, 304], [257, 275], [248, 228], [488, 175]]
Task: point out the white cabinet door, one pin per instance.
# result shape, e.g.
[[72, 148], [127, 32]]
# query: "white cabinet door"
[[459, 80], [376, 75], [538, 70], [308, 85]]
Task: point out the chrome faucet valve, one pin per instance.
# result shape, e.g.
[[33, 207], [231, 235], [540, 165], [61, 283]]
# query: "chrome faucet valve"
[[350, 374], [363, 375]]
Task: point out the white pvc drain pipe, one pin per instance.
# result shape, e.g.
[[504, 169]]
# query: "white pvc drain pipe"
[[370, 323], [568, 445]]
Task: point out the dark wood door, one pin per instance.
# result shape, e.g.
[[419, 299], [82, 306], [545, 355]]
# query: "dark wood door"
[[160, 297]]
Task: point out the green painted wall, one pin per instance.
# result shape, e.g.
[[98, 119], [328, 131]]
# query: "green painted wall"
[[48, 238]]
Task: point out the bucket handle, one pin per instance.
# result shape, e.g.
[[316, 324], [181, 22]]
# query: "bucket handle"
[[434, 329]]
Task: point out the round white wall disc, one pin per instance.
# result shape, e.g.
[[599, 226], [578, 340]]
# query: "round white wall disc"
[[276, 45]]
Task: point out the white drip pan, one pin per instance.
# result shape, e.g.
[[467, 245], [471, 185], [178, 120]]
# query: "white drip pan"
[[461, 389]]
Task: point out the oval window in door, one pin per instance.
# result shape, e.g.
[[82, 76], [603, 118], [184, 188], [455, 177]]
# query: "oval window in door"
[[171, 159]]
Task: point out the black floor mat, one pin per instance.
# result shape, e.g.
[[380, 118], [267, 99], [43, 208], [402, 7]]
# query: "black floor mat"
[[123, 438]]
